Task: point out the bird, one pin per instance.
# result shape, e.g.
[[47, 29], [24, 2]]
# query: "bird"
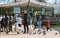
[[34, 33], [44, 33], [56, 33]]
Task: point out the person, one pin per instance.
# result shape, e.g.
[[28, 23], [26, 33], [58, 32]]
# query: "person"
[[18, 23], [3, 23], [0, 22], [39, 18], [10, 22], [26, 20], [6, 23], [47, 24]]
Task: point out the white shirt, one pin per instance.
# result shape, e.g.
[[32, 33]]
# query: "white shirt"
[[19, 20]]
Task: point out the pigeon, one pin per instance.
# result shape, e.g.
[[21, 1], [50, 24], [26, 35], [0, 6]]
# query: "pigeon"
[[17, 32], [56, 33], [44, 33], [34, 33], [29, 33]]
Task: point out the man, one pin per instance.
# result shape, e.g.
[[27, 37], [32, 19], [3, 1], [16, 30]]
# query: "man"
[[39, 23], [10, 23], [26, 21], [6, 23]]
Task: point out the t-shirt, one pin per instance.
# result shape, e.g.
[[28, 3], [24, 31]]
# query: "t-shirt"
[[39, 18]]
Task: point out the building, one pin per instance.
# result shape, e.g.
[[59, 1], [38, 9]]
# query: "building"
[[17, 6]]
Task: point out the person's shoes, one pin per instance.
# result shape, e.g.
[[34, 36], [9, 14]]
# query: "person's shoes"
[[39, 32], [17, 32], [7, 32]]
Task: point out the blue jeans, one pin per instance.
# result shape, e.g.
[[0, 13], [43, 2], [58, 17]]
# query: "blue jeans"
[[39, 26]]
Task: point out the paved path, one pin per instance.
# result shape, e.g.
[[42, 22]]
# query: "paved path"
[[50, 34]]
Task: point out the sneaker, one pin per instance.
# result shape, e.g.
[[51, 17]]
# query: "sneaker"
[[7, 32], [39, 32]]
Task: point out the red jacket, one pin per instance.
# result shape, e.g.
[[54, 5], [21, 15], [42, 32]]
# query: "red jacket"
[[48, 23]]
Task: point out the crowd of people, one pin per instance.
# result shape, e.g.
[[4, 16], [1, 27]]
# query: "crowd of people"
[[7, 21]]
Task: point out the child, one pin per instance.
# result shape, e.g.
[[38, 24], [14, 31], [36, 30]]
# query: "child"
[[47, 24]]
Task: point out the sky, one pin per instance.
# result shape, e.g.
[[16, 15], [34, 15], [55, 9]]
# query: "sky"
[[52, 1], [5, 1]]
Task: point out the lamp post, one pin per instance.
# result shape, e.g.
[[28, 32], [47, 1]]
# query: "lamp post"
[[28, 5]]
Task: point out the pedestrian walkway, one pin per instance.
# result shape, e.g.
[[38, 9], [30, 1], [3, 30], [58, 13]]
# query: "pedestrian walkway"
[[49, 34], [13, 34]]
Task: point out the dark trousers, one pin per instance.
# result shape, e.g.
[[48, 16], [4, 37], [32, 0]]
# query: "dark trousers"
[[26, 29], [10, 26]]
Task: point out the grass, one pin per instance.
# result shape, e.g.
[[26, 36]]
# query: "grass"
[[52, 26]]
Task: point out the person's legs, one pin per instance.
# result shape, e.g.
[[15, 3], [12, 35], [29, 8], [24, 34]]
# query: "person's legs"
[[10, 27], [17, 29], [24, 28], [15, 26], [38, 23], [47, 28], [27, 29], [7, 28], [39, 27], [0, 28]]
